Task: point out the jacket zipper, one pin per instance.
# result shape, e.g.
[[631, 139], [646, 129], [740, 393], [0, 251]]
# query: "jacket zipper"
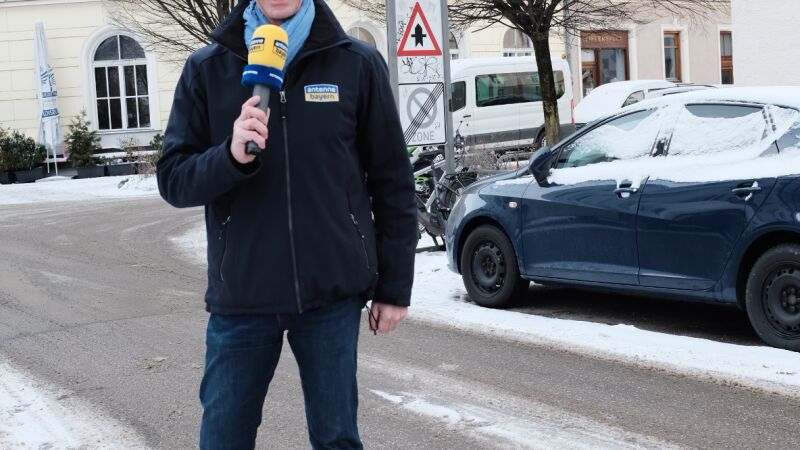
[[361, 235], [222, 231], [289, 201]]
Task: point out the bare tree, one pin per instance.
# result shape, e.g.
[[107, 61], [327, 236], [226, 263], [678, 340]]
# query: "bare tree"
[[173, 28], [538, 18]]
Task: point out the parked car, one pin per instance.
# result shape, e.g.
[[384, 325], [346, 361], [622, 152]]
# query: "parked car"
[[693, 196], [498, 103], [611, 97], [678, 89]]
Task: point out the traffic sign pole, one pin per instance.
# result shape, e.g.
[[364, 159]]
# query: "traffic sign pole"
[[449, 153], [419, 63]]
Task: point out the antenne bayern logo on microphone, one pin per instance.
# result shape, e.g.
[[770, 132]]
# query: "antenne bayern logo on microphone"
[[266, 57]]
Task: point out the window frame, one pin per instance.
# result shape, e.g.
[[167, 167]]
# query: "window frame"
[[677, 35], [111, 138], [120, 65], [726, 61], [511, 52]]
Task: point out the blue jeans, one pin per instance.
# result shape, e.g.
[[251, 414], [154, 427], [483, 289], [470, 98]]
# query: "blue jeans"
[[241, 355]]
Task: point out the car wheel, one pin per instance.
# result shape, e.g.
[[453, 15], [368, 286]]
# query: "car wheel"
[[489, 268], [772, 296], [541, 140]]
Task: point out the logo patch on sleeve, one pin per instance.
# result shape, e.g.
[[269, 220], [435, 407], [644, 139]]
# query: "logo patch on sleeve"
[[322, 93]]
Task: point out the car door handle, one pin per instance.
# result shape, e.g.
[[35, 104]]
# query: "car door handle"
[[467, 116], [745, 191], [626, 190]]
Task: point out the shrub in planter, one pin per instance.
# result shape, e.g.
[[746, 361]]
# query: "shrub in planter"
[[127, 164], [146, 164], [6, 175], [22, 155], [82, 144]]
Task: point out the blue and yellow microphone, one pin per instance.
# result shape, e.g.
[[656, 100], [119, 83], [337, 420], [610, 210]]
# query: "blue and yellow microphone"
[[264, 71]]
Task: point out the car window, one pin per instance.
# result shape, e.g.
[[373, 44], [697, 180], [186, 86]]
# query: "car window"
[[636, 97], [497, 89], [459, 92], [627, 137], [710, 128], [790, 140], [510, 88]]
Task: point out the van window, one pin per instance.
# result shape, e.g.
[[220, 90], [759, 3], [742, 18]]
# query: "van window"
[[459, 94], [532, 90], [509, 88]]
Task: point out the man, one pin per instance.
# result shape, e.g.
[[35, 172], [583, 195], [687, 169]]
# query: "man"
[[301, 235]]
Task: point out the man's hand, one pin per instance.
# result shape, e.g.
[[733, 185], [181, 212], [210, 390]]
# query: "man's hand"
[[385, 317], [251, 125]]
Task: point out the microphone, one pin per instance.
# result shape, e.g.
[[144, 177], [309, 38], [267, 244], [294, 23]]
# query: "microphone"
[[264, 71]]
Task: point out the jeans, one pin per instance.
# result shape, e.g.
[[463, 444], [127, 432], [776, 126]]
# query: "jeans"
[[241, 354]]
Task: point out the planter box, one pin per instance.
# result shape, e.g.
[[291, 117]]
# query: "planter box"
[[115, 170], [91, 172], [7, 177], [29, 176]]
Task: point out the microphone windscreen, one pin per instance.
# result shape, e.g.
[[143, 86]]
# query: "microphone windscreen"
[[266, 57]]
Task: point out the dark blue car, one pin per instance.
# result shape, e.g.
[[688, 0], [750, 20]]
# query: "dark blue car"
[[694, 197]]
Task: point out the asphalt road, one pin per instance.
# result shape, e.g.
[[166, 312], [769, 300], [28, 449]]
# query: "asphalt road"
[[95, 299]]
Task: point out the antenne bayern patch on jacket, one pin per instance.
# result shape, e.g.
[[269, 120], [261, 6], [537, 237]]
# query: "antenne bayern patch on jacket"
[[353, 216]]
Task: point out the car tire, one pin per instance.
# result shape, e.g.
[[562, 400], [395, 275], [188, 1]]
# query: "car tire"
[[489, 268], [772, 296]]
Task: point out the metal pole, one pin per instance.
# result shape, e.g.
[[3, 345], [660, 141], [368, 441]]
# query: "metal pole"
[[450, 166], [391, 46]]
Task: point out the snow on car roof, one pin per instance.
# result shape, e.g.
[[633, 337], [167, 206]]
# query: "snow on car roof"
[[788, 96], [609, 97]]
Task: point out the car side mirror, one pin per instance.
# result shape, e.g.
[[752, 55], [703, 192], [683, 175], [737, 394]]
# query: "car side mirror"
[[540, 165]]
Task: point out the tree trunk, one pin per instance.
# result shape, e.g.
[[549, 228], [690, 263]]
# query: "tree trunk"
[[541, 49]]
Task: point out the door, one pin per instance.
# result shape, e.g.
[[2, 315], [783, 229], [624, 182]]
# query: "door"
[[694, 207], [583, 225]]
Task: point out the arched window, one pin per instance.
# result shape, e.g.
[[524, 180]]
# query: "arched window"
[[454, 52], [122, 90], [515, 43], [362, 34]]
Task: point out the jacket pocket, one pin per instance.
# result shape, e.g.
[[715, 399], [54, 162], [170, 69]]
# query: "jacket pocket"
[[223, 236], [360, 235]]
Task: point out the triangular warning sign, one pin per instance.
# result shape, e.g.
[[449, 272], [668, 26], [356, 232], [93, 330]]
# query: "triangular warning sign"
[[423, 41]]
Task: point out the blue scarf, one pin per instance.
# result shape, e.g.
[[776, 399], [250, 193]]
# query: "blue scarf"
[[298, 27]]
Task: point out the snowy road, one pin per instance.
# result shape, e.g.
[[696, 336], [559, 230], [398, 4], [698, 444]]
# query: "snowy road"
[[98, 306]]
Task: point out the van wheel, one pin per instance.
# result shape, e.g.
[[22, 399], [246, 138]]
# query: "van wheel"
[[772, 296], [489, 268], [541, 140]]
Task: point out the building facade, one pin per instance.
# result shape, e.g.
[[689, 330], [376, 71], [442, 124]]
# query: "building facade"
[[680, 49], [126, 89], [765, 32]]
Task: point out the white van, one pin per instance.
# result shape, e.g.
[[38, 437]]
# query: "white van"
[[497, 101]]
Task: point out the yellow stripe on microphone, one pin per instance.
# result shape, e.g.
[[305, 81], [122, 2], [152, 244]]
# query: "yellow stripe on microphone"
[[269, 47]]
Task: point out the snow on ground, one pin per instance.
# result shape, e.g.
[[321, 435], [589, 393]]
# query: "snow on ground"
[[76, 190], [36, 416], [438, 297], [497, 417]]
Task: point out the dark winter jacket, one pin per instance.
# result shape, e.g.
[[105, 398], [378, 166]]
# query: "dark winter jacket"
[[326, 211]]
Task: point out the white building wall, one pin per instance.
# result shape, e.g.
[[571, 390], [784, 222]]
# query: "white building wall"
[[74, 27], [69, 26], [765, 35]]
